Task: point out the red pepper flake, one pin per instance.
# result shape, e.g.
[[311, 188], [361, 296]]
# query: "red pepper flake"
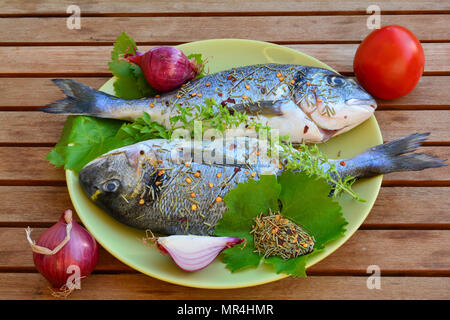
[[223, 103], [305, 130], [220, 94], [229, 77], [342, 163], [232, 146]]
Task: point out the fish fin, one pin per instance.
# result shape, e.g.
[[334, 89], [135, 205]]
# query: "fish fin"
[[394, 156], [80, 98]]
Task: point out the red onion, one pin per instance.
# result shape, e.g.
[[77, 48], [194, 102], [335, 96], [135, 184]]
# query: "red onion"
[[63, 250], [165, 68], [192, 253]]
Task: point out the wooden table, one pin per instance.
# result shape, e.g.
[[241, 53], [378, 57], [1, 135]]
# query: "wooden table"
[[407, 233]]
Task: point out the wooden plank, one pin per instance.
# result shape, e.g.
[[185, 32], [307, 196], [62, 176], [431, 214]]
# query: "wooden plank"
[[21, 164], [42, 205], [30, 127], [213, 6], [39, 127], [138, 286], [92, 60], [428, 94], [39, 91], [398, 207], [414, 251], [405, 206], [399, 123], [280, 29]]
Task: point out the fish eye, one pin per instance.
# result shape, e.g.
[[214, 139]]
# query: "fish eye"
[[111, 185], [335, 81]]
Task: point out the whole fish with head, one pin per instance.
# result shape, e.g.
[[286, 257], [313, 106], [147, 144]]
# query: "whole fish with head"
[[165, 186], [309, 104]]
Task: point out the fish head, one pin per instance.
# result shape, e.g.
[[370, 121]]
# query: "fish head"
[[335, 103], [116, 177]]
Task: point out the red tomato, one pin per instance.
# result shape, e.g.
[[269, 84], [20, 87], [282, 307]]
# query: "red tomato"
[[389, 62]]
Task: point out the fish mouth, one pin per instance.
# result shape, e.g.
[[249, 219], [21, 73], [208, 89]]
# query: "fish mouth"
[[369, 104]]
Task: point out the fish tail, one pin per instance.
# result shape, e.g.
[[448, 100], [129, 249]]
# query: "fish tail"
[[80, 99], [394, 156]]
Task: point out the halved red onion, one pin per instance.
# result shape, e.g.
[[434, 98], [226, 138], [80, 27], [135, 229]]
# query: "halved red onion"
[[192, 253]]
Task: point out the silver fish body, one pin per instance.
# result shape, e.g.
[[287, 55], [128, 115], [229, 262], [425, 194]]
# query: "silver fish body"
[[177, 187], [309, 104]]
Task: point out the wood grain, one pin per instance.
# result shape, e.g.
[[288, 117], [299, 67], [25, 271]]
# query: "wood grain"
[[39, 127], [403, 206], [197, 7], [93, 61], [428, 94], [24, 164], [280, 29], [399, 207], [410, 252], [399, 123], [138, 286]]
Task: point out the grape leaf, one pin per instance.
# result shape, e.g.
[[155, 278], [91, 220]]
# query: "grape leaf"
[[83, 139], [304, 200], [246, 201]]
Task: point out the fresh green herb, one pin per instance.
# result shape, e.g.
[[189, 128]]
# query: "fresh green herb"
[[304, 200], [211, 114], [311, 161]]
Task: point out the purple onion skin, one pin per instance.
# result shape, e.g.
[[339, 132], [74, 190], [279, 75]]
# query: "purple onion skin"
[[81, 250], [165, 68]]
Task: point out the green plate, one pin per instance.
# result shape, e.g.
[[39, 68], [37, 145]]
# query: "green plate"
[[125, 243]]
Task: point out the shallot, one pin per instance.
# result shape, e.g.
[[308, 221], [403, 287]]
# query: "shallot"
[[192, 253], [165, 68], [64, 253]]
